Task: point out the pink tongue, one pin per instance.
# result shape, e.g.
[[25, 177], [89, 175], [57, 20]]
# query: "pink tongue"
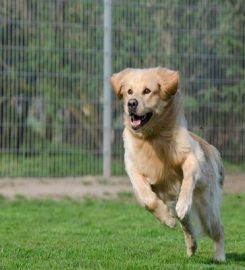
[[135, 123]]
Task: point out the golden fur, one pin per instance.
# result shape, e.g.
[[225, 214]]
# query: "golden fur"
[[173, 171]]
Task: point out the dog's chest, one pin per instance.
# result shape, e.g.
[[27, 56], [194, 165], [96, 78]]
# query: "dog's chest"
[[155, 162]]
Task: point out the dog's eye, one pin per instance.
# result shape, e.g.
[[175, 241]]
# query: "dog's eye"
[[130, 91], [146, 91]]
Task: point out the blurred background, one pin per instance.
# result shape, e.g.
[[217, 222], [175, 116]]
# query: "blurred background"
[[51, 77]]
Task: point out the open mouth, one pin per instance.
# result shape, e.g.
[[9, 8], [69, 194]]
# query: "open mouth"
[[139, 121]]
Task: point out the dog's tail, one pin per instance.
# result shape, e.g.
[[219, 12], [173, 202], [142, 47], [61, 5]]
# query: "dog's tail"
[[212, 155], [214, 191], [214, 159], [217, 165]]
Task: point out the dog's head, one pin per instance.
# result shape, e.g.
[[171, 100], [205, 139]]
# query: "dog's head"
[[146, 94]]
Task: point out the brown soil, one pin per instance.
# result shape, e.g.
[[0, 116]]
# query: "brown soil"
[[76, 188]]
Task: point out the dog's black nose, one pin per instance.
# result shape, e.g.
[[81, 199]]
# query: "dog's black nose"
[[132, 104]]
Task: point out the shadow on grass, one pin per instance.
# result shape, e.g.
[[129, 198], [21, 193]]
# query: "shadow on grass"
[[236, 257], [230, 257]]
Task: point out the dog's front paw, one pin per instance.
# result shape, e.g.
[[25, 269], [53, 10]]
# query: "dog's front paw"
[[170, 222], [191, 250], [182, 209]]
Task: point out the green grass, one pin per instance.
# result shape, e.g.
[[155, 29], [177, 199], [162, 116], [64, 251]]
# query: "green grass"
[[74, 164], [50, 165], [234, 168], [54, 165], [107, 235]]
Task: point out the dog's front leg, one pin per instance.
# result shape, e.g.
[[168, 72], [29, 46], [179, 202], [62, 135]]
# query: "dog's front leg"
[[150, 201], [184, 202]]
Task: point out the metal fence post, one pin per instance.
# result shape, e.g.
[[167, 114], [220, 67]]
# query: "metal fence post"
[[107, 91]]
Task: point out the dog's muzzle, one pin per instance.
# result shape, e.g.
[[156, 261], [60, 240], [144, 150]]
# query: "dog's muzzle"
[[137, 121], [132, 105]]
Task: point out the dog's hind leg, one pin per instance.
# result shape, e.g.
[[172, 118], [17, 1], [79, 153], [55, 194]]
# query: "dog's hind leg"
[[210, 220], [215, 231], [219, 246], [189, 234]]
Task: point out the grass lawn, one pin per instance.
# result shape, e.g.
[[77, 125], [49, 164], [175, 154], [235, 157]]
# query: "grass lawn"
[[72, 163], [107, 235]]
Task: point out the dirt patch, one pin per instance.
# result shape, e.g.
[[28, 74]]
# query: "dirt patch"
[[58, 188], [76, 188], [234, 183]]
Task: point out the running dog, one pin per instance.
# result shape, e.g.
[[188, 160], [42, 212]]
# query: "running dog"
[[174, 173]]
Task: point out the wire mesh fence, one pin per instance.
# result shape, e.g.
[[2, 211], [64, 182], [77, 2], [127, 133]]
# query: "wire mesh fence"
[[51, 77]]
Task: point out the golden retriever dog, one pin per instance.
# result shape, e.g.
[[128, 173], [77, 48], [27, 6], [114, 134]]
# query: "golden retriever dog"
[[174, 173]]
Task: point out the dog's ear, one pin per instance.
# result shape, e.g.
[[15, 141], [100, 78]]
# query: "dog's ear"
[[117, 82], [168, 81]]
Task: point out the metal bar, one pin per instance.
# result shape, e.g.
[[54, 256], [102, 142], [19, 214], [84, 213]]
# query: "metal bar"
[[107, 91]]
